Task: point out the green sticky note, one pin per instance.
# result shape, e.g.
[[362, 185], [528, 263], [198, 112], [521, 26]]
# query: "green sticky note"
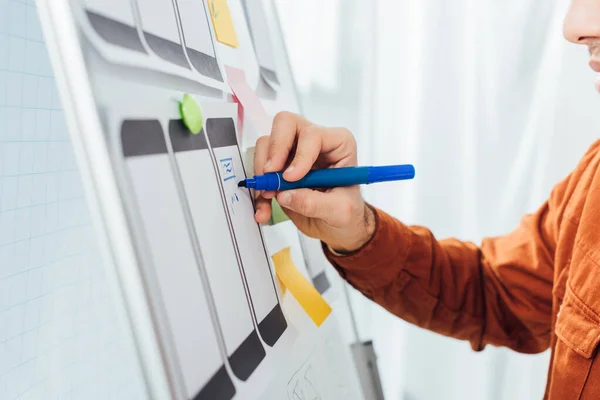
[[191, 113], [277, 214]]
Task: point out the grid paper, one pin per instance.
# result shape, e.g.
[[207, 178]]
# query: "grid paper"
[[60, 335]]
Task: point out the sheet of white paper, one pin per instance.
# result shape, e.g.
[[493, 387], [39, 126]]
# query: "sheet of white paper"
[[182, 292], [220, 129], [196, 29], [120, 43], [158, 18], [322, 368], [219, 259], [247, 232], [197, 36], [259, 29], [117, 10], [114, 21], [149, 102], [161, 30]]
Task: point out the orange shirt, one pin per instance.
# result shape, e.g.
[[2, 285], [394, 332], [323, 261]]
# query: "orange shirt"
[[535, 288]]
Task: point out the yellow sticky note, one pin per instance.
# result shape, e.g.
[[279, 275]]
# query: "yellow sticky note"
[[222, 22], [305, 293]]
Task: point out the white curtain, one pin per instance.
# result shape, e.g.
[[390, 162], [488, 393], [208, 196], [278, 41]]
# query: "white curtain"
[[492, 106]]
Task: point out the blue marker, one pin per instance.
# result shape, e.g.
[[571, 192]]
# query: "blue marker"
[[331, 178]]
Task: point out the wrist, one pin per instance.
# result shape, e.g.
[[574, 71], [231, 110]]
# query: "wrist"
[[364, 233]]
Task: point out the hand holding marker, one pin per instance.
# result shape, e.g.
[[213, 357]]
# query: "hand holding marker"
[[330, 178], [191, 114], [339, 216]]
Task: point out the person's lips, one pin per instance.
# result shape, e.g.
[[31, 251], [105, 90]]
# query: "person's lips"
[[595, 64]]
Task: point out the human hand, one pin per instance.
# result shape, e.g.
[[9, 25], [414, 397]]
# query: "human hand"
[[339, 216]]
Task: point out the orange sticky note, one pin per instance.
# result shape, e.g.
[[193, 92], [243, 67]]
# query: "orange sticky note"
[[222, 22], [305, 293]]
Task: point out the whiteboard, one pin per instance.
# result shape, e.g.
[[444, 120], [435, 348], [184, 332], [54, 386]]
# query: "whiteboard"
[[178, 333]]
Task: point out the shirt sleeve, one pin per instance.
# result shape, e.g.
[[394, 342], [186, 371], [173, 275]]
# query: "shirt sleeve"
[[499, 293]]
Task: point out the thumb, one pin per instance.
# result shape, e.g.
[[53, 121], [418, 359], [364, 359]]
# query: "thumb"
[[334, 207]]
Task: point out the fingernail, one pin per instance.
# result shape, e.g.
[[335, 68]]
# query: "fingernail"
[[257, 211], [285, 198], [290, 168], [268, 164]]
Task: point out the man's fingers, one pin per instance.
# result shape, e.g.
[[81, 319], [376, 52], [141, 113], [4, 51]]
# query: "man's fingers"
[[283, 135], [263, 210], [335, 207], [261, 151], [307, 152], [336, 146], [268, 195]]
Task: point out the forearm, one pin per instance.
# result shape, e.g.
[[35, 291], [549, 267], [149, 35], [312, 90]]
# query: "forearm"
[[445, 286], [406, 271]]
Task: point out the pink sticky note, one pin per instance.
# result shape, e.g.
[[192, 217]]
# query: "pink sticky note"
[[248, 99], [240, 114]]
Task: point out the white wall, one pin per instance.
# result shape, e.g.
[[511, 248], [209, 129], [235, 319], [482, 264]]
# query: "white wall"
[[491, 105]]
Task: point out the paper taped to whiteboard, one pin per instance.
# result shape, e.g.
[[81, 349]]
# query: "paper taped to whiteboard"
[[259, 30], [161, 31], [174, 262], [197, 37], [246, 232], [224, 272], [114, 21], [178, 42]]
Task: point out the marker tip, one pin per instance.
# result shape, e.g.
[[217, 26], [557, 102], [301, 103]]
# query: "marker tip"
[[242, 184]]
